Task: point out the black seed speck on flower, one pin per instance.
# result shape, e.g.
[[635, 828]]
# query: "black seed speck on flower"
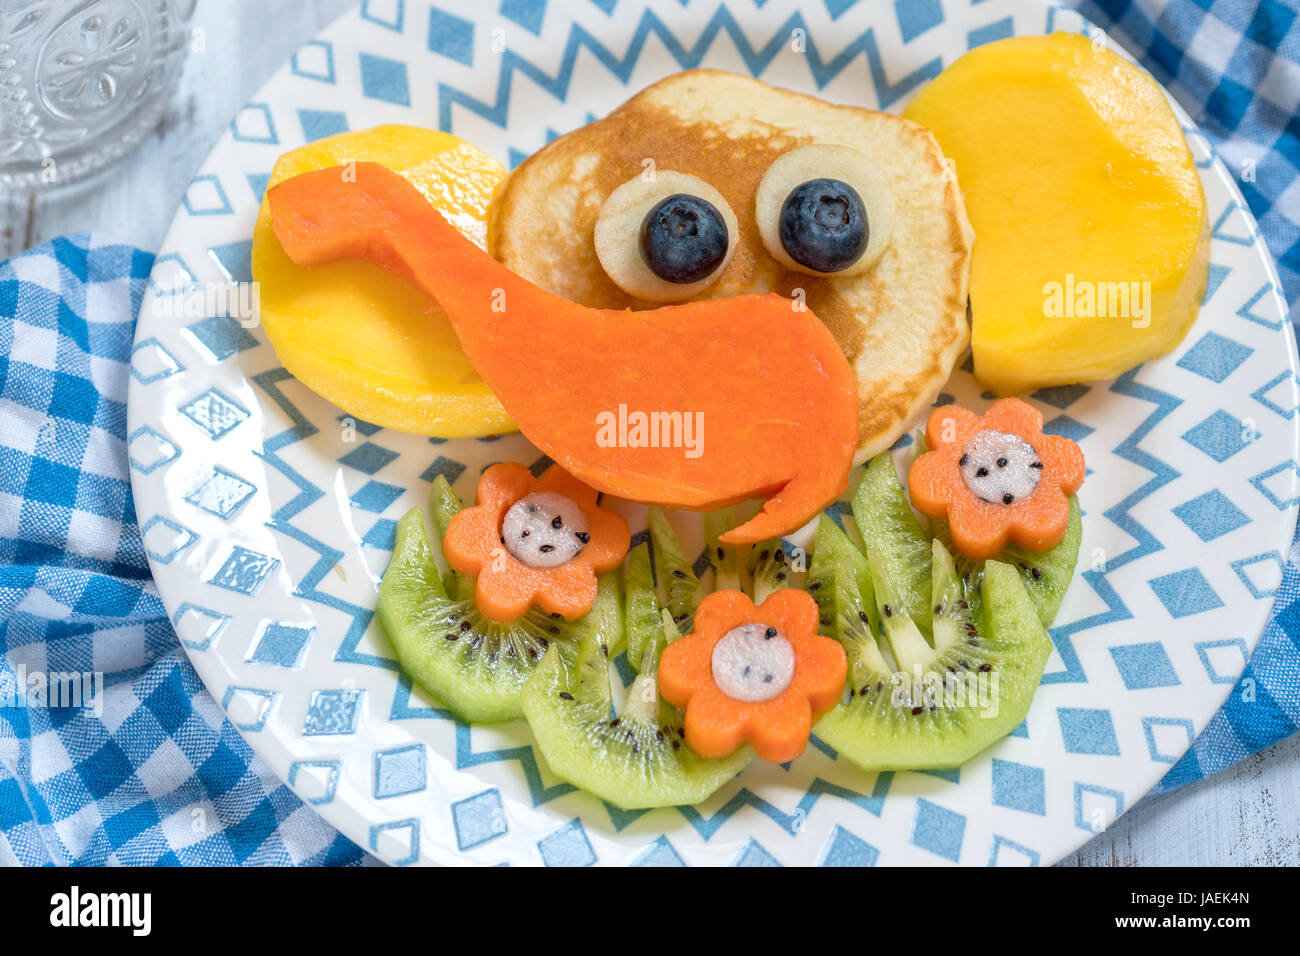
[[525, 533], [1002, 463], [981, 472], [565, 695], [546, 548], [503, 539], [532, 509], [767, 678], [1038, 465], [1008, 498], [769, 634], [745, 672], [962, 460], [582, 536], [557, 522]]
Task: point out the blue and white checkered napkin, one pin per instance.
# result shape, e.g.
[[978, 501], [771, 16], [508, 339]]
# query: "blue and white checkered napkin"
[[1234, 65], [113, 753], [147, 770]]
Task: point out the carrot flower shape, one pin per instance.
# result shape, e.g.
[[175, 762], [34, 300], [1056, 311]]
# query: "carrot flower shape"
[[534, 540], [996, 478], [753, 674]]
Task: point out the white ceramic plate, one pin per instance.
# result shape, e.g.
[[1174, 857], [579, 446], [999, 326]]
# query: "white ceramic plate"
[[267, 514]]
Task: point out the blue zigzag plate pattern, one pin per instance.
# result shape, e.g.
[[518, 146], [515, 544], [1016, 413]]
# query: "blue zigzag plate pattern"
[[268, 513]]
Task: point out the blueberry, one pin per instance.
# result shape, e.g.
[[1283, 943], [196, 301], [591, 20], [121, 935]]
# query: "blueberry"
[[824, 225], [683, 238]]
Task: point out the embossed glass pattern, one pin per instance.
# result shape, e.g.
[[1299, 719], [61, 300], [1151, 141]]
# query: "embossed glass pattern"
[[82, 82]]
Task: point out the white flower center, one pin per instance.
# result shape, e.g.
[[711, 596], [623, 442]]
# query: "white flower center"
[[753, 663], [1000, 467], [544, 530]]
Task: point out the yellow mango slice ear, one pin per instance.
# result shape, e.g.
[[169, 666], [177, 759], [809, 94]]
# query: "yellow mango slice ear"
[[366, 340], [1091, 234]]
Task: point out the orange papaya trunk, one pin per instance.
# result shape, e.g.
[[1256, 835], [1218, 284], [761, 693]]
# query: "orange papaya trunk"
[[740, 398]]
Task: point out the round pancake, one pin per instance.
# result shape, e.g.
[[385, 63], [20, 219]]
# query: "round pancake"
[[902, 323]]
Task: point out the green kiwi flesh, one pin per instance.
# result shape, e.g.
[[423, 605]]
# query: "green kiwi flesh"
[[675, 574], [1046, 575], [896, 545], [768, 567], [975, 686], [473, 666], [639, 758]]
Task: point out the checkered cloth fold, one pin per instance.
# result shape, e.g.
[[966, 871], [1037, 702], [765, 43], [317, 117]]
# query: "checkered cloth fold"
[[145, 769], [111, 751]]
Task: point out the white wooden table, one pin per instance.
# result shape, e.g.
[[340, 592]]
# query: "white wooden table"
[[1248, 815]]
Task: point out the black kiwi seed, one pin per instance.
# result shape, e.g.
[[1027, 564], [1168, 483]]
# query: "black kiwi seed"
[[465, 625], [889, 612], [676, 745], [614, 722], [779, 556], [678, 573], [938, 609], [532, 653], [963, 665], [880, 685], [565, 695], [814, 585], [963, 605], [546, 548], [1002, 463], [557, 615], [962, 460], [582, 536], [769, 634], [544, 642], [552, 629], [1036, 574], [1008, 498], [604, 649], [985, 668], [659, 735], [557, 522], [917, 711], [721, 554], [764, 555], [453, 637], [981, 472], [780, 576], [862, 615], [973, 642]]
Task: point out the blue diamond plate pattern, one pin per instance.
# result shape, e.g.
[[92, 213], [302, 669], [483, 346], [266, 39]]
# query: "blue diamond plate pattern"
[[1087, 730], [1143, 666], [1019, 786], [754, 854], [1215, 357], [331, 712], [1220, 436], [1242, 567], [1211, 515], [1185, 592], [148, 450], [375, 496], [452, 37], [214, 412], [368, 458], [567, 846], [281, 644], [847, 849], [1010, 853], [938, 829], [222, 336], [1223, 660], [317, 124], [314, 61], [1096, 808], [399, 771], [660, 853], [1167, 737], [385, 79], [397, 843], [478, 819], [164, 538], [221, 493], [244, 571], [197, 627], [316, 781]]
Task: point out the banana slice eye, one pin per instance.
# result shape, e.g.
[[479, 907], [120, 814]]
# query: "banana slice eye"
[[667, 238], [825, 210]]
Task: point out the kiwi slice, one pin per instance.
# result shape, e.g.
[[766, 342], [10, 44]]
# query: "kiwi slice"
[[643, 619], [896, 545], [768, 568], [725, 559], [474, 666], [637, 759], [674, 573], [443, 505], [1046, 575], [945, 702], [840, 582]]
